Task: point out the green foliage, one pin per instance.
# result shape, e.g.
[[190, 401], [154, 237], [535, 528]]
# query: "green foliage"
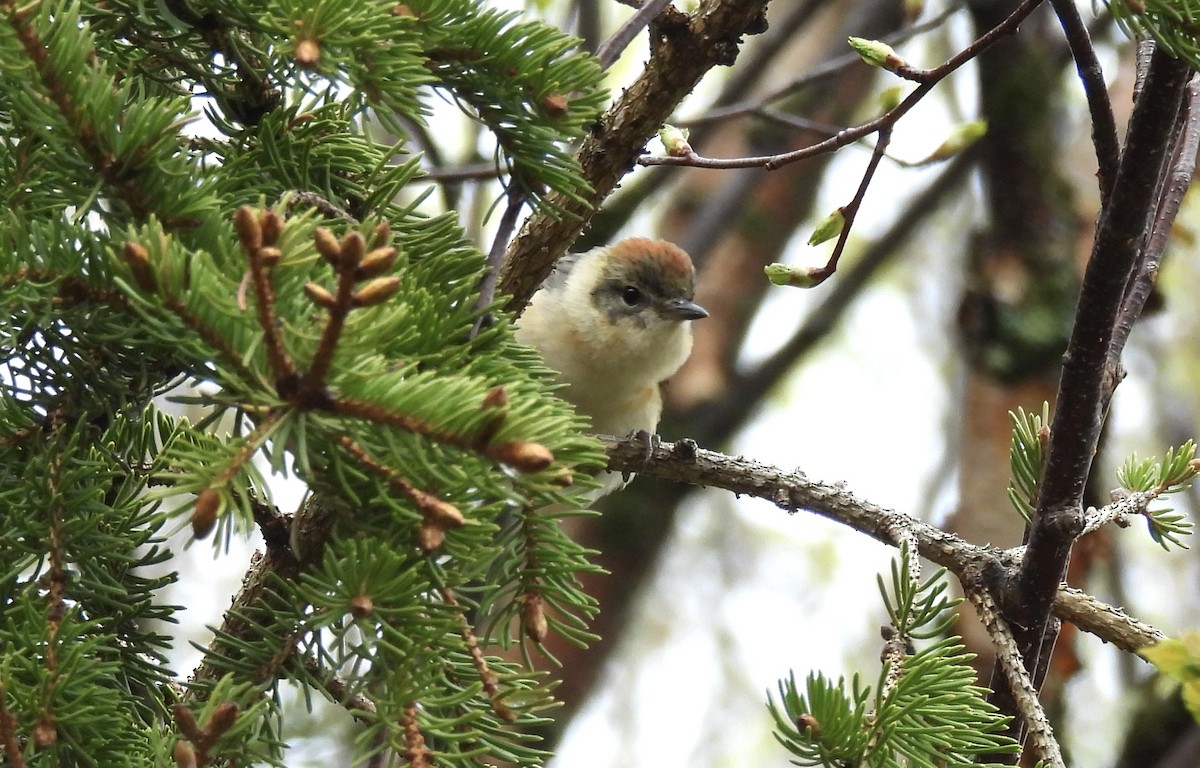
[[124, 272], [927, 712], [1172, 24], [1178, 660], [1172, 473], [1027, 458]]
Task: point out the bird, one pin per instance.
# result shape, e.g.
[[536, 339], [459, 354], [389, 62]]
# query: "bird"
[[614, 323]]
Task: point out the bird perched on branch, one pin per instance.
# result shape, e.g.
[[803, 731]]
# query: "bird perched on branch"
[[615, 322]]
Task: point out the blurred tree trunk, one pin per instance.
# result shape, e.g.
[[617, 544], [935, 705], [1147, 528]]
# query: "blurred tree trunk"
[[1021, 275]]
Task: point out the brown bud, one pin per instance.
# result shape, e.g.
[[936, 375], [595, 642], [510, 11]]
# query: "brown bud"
[[564, 479], [533, 618], [376, 291], [807, 722], [555, 104], [138, 259], [441, 513], [382, 235], [269, 256], [320, 296], [185, 756], [272, 227], [204, 516], [222, 719], [186, 721], [45, 734], [361, 606], [430, 537], [353, 247], [308, 53], [523, 455], [403, 10], [249, 232], [328, 246], [496, 397], [375, 263]]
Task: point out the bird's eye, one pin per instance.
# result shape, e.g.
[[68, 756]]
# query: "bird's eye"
[[631, 295]]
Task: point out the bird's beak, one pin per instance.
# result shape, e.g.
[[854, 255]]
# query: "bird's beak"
[[684, 309]]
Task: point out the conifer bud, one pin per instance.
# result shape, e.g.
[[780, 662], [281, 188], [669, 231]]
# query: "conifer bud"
[[222, 719], [308, 53], [376, 291], [137, 258], [496, 397], [555, 105], [272, 227], [185, 756], [441, 513], [533, 618], [382, 235], [204, 516], [523, 455], [319, 296], [353, 247], [361, 606], [375, 263], [269, 256], [430, 537], [328, 246], [249, 232]]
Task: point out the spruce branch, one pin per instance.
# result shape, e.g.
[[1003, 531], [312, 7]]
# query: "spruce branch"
[[792, 491], [683, 49], [437, 515], [249, 227]]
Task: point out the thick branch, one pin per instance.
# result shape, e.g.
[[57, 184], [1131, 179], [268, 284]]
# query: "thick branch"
[[683, 49], [1079, 416], [793, 492]]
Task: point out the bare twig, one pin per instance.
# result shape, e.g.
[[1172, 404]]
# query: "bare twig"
[[1079, 416], [1104, 125], [850, 211], [1141, 283], [487, 286], [612, 48], [815, 75], [1009, 658], [927, 78], [793, 492], [714, 423]]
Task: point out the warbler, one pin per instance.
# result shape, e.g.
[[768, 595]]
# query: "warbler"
[[615, 322]]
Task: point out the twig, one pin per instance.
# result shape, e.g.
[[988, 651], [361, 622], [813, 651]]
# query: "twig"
[[815, 75], [850, 211], [1078, 418], [1141, 283], [714, 423], [928, 79], [358, 705], [610, 50], [1008, 656], [491, 275], [793, 492], [1104, 125]]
